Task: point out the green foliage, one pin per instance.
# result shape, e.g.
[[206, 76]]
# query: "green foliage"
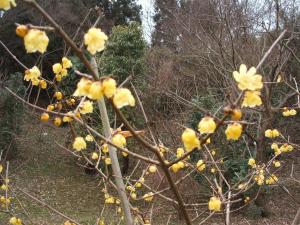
[[11, 111], [124, 54]]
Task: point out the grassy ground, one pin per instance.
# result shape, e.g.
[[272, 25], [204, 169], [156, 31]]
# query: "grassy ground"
[[50, 173]]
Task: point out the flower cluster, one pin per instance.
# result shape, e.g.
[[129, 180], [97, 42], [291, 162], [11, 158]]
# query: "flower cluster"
[[61, 69], [272, 133], [15, 221], [251, 83], [289, 112], [33, 75]]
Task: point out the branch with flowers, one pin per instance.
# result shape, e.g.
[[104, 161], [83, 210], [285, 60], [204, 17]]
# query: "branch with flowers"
[[99, 147]]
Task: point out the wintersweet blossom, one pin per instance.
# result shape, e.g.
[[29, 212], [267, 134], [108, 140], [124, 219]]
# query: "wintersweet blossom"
[[109, 87], [179, 152], [200, 165], [33, 75], [95, 40], [79, 144], [248, 79], [95, 91], [207, 125], [119, 140], [43, 84], [83, 87], [271, 180], [7, 4], [15, 221], [272, 133], [86, 107], [190, 139], [45, 117], [123, 97], [214, 204], [233, 131], [152, 169], [287, 112], [251, 162], [148, 197], [251, 99], [36, 40], [57, 121]]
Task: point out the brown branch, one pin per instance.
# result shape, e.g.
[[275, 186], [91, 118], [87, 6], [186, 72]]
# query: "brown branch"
[[65, 36]]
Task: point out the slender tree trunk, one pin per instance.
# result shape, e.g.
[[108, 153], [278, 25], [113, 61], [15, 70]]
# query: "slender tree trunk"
[[113, 156]]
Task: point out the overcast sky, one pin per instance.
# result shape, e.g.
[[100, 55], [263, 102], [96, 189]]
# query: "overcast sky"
[[148, 11]]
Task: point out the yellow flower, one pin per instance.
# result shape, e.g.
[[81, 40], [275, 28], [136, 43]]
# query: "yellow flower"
[[214, 204], [123, 97], [260, 178], [109, 199], [79, 144], [233, 131], [57, 121], [248, 80], [133, 195], [148, 197], [107, 161], [95, 156], [58, 77], [201, 165], [36, 40], [89, 138], [236, 114], [179, 152], [251, 162], [21, 30], [50, 107], [286, 148], [276, 164], [213, 170], [251, 99], [105, 148], [119, 140], [6, 4], [152, 169], [271, 180], [33, 75], [95, 40], [45, 117], [95, 91], [86, 107], [175, 167], [66, 63], [43, 84], [68, 119], [15, 221], [247, 199], [58, 95], [57, 67], [207, 125], [190, 139], [291, 112], [138, 184], [109, 87], [83, 87], [1, 168], [272, 133]]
